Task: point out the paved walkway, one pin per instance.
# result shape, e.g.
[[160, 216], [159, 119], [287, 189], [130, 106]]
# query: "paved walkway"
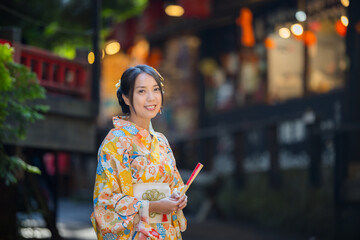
[[74, 220], [74, 224]]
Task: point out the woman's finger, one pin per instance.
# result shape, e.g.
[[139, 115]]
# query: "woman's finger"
[[181, 200], [183, 204]]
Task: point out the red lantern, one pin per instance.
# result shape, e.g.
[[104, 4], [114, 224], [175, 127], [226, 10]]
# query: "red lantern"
[[340, 28], [309, 38]]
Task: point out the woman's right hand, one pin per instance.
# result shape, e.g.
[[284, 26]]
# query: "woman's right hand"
[[167, 205]]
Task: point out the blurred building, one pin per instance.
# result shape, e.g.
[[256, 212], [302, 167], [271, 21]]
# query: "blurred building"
[[264, 93]]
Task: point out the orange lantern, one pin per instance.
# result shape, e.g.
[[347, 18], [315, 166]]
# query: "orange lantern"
[[245, 22], [269, 43], [340, 28], [309, 38]]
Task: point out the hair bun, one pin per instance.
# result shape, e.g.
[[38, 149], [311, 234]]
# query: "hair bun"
[[125, 108]]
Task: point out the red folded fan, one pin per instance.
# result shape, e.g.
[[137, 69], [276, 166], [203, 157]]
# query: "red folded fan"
[[196, 171]]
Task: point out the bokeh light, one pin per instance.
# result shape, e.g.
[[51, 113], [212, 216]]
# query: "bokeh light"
[[344, 20], [300, 16], [345, 3], [91, 57], [284, 32], [297, 29], [174, 10], [112, 48]]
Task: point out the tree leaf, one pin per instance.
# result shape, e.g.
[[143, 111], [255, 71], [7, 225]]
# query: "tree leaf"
[[18, 87]]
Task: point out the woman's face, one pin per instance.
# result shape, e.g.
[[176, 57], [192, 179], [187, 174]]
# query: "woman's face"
[[146, 98]]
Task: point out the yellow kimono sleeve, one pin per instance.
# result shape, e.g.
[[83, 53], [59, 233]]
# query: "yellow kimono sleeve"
[[178, 218], [116, 212]]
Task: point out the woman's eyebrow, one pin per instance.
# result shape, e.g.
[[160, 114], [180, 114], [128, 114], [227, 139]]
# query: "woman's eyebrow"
[[145, 87]]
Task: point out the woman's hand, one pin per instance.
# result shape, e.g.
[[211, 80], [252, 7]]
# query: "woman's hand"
[[175, 195], [182, 202], [169, 204]]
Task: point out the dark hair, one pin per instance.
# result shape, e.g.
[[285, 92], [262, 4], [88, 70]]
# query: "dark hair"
[[128, 83]]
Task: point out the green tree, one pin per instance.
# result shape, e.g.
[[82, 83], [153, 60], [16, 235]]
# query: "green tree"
[[18, 87], [63, 25]]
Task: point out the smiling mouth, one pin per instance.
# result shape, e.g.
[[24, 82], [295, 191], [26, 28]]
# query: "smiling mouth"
[[150, 107]]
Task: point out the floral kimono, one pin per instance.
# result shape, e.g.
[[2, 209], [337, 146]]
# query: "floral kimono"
[[129, 155]]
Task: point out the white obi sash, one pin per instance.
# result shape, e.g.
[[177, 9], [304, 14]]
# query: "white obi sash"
[[153, 192]]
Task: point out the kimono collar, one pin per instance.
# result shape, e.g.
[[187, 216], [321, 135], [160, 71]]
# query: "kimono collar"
[[122, 121]]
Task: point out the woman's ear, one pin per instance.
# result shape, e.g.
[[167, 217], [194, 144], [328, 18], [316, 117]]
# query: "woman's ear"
[[126, 99]]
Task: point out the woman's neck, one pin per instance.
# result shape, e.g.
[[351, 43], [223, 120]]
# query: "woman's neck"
[[143, 123]]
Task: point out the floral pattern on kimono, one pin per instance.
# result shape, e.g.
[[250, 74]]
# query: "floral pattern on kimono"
[[128, 155]]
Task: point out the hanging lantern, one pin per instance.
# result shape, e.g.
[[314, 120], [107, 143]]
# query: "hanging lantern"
[[309, 38], [245, 22], [340, 28], [269, 43]]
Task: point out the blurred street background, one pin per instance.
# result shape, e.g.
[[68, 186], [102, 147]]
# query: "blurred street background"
[[264, 93]]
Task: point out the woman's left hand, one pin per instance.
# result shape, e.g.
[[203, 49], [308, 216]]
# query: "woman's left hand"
[[182, 202]]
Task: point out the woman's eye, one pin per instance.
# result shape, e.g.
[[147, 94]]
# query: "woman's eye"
[[141, 91], [157, 89]]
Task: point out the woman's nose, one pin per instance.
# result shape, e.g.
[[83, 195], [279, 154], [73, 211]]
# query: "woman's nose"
[[150, 95]]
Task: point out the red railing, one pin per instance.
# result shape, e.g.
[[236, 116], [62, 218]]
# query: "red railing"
[[58, 75]]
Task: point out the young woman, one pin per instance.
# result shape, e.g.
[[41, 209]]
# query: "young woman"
[[137, 184]]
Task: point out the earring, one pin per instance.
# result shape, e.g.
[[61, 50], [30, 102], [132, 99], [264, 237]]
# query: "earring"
[[160, 110]]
